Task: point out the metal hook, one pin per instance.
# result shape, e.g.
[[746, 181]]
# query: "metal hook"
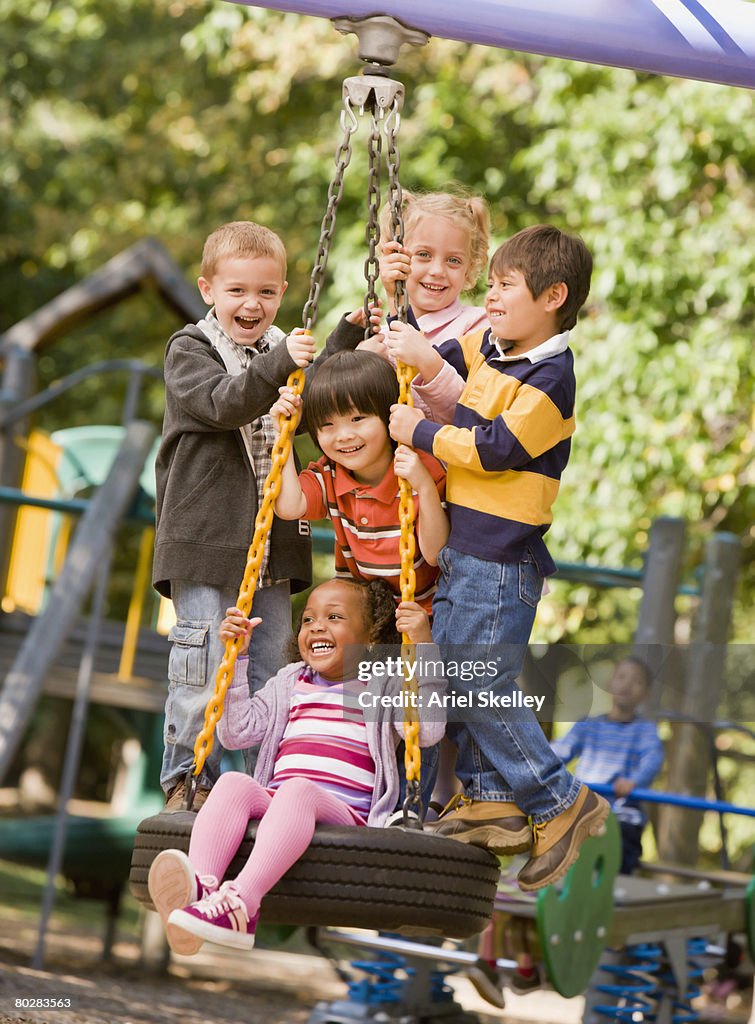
[[348, 109]]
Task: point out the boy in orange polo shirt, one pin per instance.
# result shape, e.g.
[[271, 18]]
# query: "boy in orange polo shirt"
[[355, 483]]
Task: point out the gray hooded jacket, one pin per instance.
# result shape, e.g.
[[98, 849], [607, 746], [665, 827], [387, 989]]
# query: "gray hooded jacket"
[[206, 498]]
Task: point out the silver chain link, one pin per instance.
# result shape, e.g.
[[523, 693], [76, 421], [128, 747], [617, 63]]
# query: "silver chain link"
[[349, 124], [385, 92], [395, 197], [372, 231]]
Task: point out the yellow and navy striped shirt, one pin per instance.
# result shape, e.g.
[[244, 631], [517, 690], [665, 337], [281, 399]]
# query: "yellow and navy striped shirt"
[[507, 447]]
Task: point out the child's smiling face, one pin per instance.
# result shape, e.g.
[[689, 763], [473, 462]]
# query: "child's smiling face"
[[440, 263], [246, 292], [333, 619], [359, 442], [515, 314]]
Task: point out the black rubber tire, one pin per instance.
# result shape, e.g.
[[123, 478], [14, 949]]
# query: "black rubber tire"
[[389, 879]]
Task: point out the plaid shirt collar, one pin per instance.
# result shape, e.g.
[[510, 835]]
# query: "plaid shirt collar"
[[259, 435], [221, 340]]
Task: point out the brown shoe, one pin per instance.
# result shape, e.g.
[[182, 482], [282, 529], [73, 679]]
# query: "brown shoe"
[[175, 801], [487, 984], [498, 826], [557, 842]]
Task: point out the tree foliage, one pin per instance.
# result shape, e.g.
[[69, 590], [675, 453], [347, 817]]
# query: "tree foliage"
[[168, 117]]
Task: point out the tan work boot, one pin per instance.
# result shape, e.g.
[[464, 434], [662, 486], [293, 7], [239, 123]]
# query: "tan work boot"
[[494, 824], [557, 842], [175, 801]]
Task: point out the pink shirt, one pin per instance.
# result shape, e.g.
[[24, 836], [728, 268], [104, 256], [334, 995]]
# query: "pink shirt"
[[437, 398]]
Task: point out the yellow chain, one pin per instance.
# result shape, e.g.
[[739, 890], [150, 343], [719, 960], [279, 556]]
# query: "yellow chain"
[[405, 376], [262, 526]]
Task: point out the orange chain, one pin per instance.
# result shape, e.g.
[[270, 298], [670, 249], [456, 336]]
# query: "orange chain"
[[407, 547], [262, 526]]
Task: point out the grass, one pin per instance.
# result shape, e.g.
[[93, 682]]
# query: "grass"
[[21, 890]]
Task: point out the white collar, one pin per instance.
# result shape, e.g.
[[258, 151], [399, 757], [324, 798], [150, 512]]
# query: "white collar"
[[552, 347]]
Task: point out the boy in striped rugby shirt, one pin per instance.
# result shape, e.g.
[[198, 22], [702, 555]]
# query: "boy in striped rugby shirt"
[[505, 452]]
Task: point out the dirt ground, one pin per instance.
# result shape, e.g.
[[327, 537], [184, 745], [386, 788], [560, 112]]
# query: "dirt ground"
[[122, 992], [218, 986], [268, 986]]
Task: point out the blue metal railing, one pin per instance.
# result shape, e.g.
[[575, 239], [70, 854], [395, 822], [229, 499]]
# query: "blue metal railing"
[[693, 803]]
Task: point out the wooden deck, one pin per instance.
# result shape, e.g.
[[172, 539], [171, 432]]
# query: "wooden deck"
[[145, 691]]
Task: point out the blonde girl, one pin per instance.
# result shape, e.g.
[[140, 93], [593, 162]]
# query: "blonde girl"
[[444, 252]]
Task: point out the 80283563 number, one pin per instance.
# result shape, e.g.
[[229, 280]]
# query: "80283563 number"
[[43, 1002]]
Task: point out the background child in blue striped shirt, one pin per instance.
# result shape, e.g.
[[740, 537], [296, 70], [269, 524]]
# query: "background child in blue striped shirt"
[[621, 749], [505, 452]]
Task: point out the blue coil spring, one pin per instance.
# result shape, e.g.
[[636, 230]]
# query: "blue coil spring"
[[635, 986], [440, 992], [381, 986], [682, 1012], [641, 980]]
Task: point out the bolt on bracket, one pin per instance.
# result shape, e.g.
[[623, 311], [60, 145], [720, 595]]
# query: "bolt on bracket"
[[381, 36]]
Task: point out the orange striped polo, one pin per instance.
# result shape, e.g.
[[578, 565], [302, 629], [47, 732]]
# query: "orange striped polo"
[[366, 523]]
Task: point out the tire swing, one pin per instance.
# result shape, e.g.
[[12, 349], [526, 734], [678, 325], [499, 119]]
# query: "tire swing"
[[391, 879]]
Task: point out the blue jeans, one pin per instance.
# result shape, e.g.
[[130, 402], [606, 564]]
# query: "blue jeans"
[[503, 754], [195, 655]]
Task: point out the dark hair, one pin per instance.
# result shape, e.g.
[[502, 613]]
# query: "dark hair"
[[642, 665], [546, 256], [350, 380], [379, 612]]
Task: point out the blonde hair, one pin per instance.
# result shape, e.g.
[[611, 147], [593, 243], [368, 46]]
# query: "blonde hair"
[[241, 238], [466, 211]]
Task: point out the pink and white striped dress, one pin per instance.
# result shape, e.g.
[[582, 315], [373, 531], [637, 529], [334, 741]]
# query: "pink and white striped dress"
[[325, 740]]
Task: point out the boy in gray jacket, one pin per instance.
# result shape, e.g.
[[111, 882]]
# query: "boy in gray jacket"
[[221, 377]]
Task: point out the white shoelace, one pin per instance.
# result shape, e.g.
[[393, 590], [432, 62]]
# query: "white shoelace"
[[209, 884], [223, 901]]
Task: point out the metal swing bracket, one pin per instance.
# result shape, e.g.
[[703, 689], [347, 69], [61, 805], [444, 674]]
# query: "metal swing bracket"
[[381, 37], [380, 40], [367, 92]]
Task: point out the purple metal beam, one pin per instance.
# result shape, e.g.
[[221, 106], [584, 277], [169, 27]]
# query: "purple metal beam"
[[713, 40]]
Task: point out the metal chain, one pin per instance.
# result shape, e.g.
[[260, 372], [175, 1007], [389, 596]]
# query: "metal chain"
[[372, 231], [395, 197], [262, 526], [349, 125]]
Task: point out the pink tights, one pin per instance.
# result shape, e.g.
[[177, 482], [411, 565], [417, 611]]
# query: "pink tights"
[[287, 821]]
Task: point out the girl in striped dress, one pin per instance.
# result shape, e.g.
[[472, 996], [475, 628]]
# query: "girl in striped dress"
[[327, 754]]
